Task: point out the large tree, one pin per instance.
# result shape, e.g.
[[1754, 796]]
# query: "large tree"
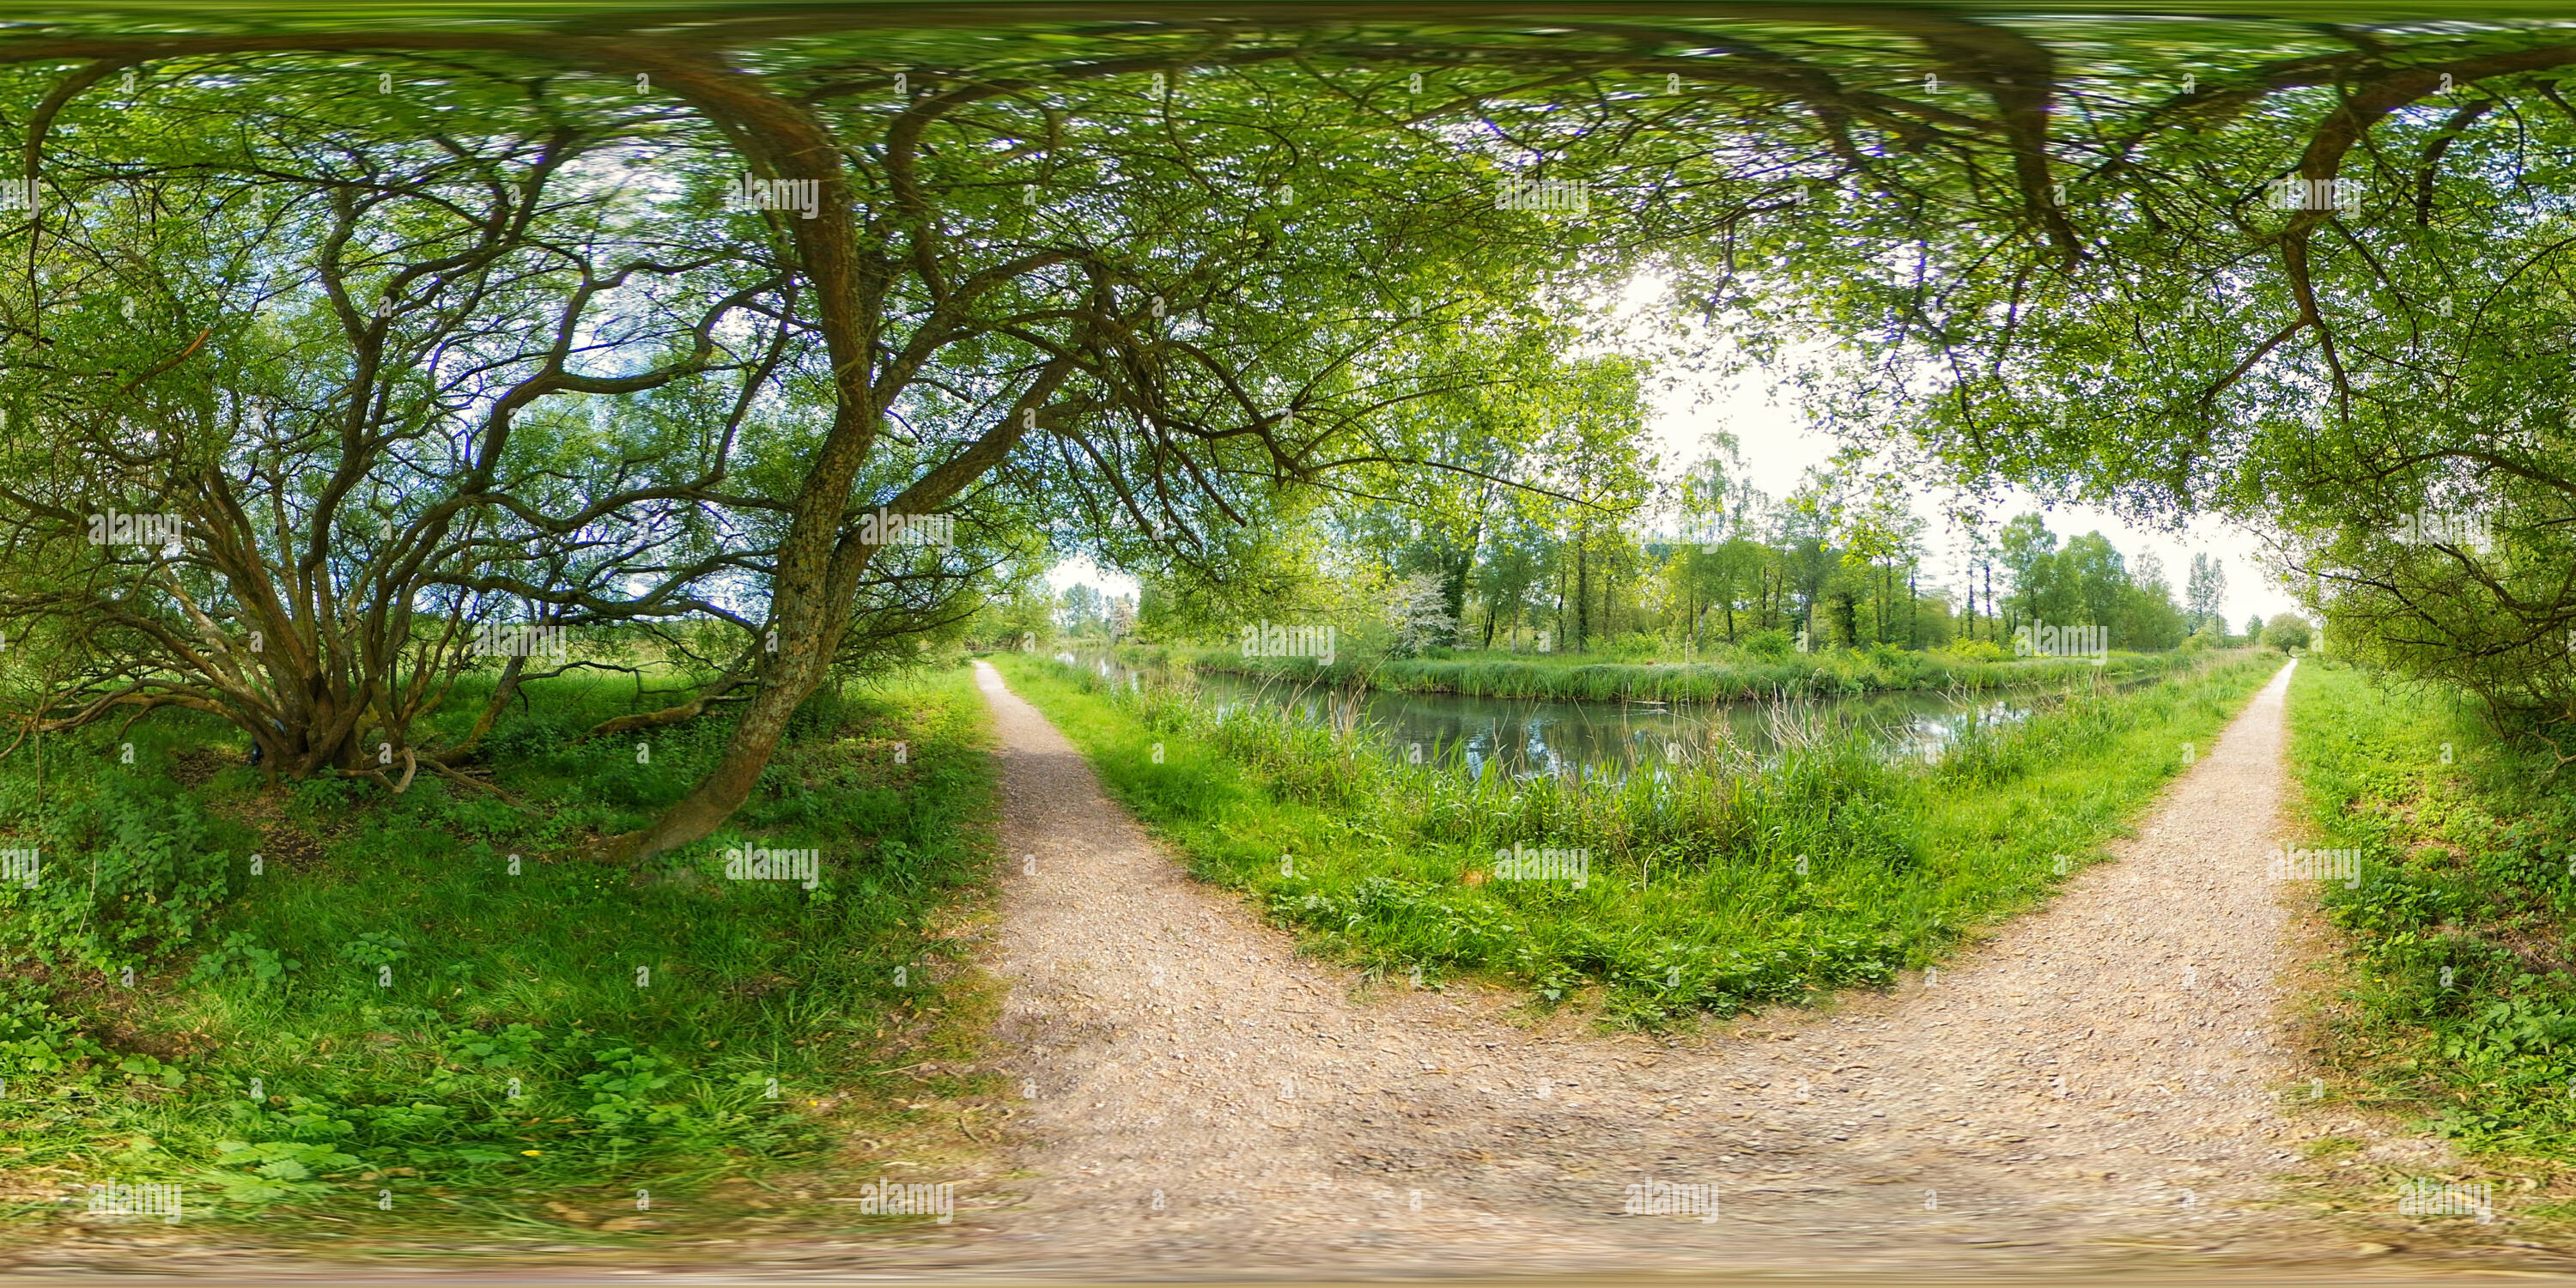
[[441, 333], [2311, 277]]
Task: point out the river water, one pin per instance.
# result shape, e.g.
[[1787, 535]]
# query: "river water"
[[1529, 736]]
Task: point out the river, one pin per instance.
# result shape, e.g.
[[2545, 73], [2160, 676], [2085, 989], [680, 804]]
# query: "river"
[[1554, 736]]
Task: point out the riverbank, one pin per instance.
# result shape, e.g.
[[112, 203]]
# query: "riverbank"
[[1198, 1090], [2444, 867], [1712, 887], [1738, 679]]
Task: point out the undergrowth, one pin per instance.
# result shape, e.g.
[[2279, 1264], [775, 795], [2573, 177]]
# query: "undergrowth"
[[1707, 887]]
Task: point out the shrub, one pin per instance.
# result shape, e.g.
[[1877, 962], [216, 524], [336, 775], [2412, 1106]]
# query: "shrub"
[[1772, 645], [133, 865], [1978, 651], [2286, 631], [1635, 646]]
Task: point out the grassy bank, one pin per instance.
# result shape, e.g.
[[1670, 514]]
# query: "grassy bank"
[[1730, 884], [1846, 672], [416, 1012], [2460, 1003]]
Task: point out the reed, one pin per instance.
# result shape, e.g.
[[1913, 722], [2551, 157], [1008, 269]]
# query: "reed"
[[1713, 881]]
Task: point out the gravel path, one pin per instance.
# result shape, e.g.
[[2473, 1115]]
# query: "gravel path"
[[2095, 1088], [2096, 1082]]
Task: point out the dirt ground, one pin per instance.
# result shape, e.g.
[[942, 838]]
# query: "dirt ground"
[[2103, 1086], [2100, 1085]]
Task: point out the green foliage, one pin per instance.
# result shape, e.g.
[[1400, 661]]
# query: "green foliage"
[[1770, 645], [513, 1050], [241, 949], [37, 1040], [2286, 631], [1752, 676], [130, 863], [373, 949], [2461, 998], [1720, 884]]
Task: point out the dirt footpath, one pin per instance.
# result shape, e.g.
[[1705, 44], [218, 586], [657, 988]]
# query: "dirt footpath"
[[2094, 1087]]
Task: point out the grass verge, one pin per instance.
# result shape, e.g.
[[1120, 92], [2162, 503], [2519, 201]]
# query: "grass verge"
[[2457, 1005], [1726, 884], [1845, 672], [414, 1015]]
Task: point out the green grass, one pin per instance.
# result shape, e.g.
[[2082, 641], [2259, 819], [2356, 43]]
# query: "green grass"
[[1740, 677], [433, 1030], [1732, 884], [2459, 1002]]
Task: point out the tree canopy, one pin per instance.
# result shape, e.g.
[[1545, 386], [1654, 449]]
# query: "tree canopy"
[[780, 334]]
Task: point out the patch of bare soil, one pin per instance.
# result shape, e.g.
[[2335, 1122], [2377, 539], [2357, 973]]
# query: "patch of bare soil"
[[2105, 1083], [2108, 1084]]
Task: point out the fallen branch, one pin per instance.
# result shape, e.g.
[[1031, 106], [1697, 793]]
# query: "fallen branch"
[[720, 691], [456, 775]]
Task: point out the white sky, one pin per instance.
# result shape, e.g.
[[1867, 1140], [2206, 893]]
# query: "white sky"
[[1778, 447], [1081, 571]]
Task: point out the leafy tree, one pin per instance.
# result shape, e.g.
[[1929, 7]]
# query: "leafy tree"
[[1081, 610], [1041, 290], [2093, 577], [362, 363], [1810, 561], [2028, 552], [1515, 565], [2148, 617], [2206, 591], [2286, 631], [1419, 613], [1019, 607], [1977, 570]]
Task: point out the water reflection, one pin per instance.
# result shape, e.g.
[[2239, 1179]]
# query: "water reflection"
[[1525, 736]]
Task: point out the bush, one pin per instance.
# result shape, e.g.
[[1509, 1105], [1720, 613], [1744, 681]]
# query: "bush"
[[151, 873], [1635, 646], [2458, 1007], [2286, 631], [1771, 645]]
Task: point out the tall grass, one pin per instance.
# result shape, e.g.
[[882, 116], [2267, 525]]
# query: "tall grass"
[[430, 996], [1742, 679], [1714, 884], [2461, 1006]]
